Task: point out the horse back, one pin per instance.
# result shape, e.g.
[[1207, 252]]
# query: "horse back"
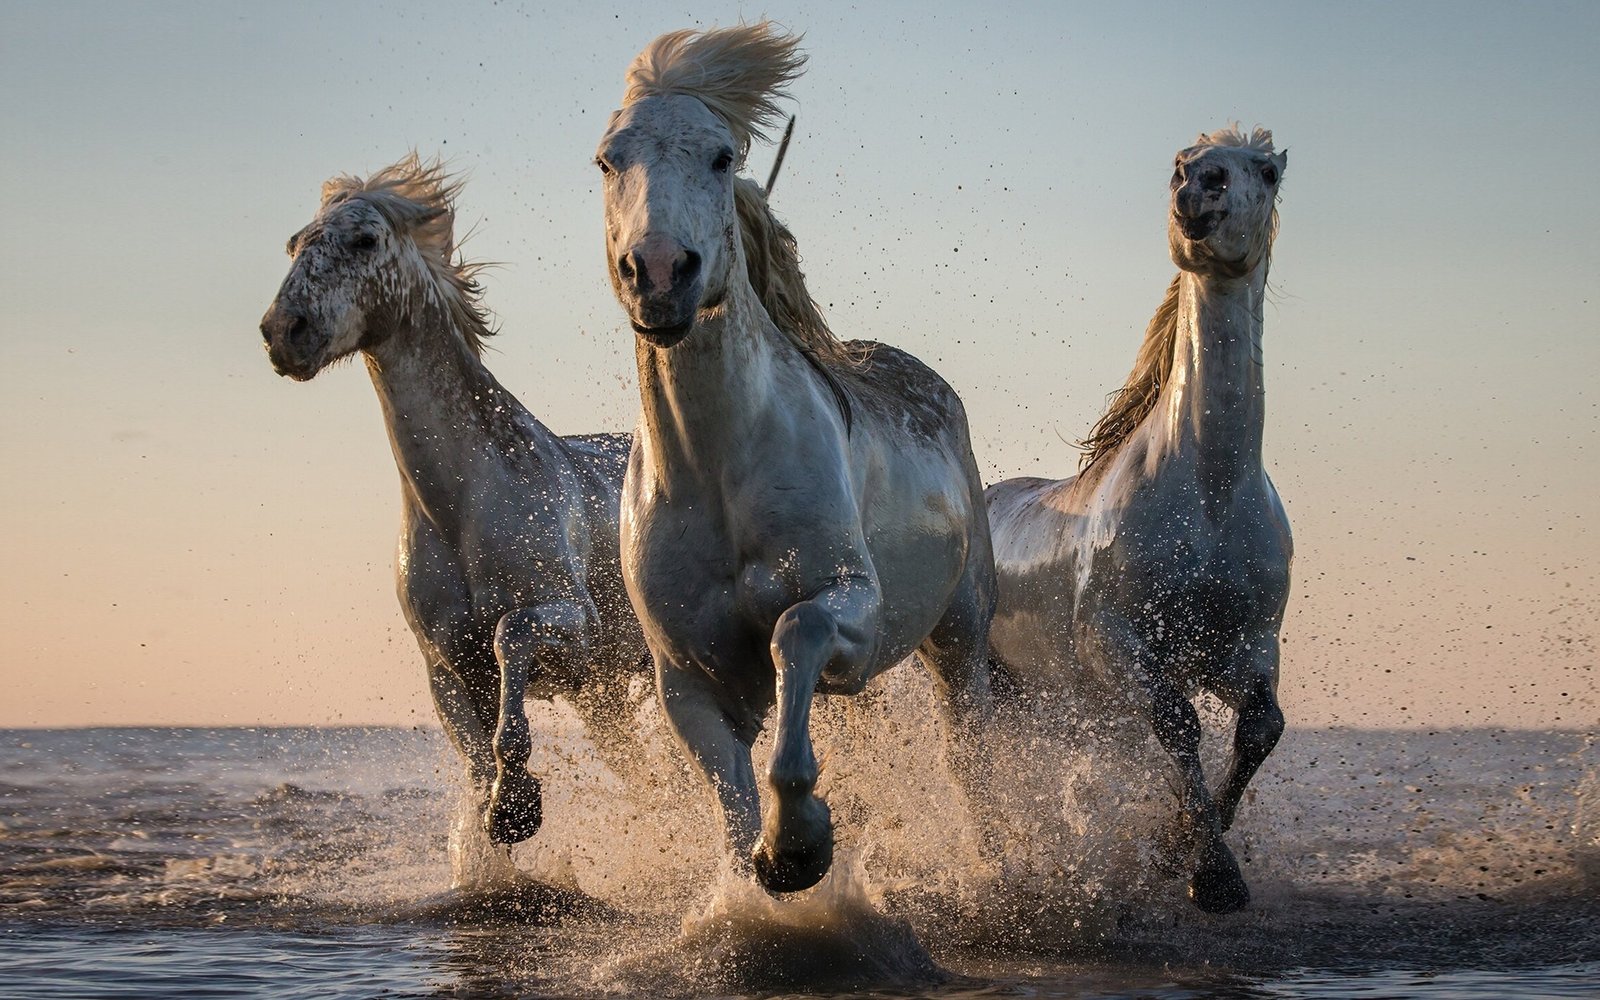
[[898, 392]]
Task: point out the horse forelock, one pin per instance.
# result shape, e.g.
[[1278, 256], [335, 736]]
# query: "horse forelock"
[[738, 73], [1258, 138], [417, 198]]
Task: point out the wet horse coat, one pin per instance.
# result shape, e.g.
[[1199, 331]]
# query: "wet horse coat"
[[508, 567], [799, 514], [1163, 567]]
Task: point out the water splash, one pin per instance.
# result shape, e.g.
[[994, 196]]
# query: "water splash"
[[835, 937]]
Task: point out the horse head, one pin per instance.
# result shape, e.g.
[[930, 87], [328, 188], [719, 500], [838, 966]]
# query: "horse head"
[[364, 263], [694, 100], [670, 223], [1224, 196]]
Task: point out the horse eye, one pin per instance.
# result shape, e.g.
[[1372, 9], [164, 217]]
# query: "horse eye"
[[366, 241], [605, 168], [1269, 173], [723, 161]]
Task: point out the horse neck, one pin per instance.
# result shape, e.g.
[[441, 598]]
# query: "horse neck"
[[446, 414], [700, 398], [1214, 402]]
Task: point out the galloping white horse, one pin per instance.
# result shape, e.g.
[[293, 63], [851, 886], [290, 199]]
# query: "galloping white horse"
[[1163, 567], [508, 567], [799, 514]]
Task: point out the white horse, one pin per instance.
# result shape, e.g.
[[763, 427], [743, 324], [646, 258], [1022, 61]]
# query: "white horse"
[[508, 567], [799, 514], [1163, 567]]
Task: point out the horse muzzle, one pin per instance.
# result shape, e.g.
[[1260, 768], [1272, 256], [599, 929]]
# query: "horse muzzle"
[[294, 346], [663, 336], [665, 320], [1199, 227], [661, 283]]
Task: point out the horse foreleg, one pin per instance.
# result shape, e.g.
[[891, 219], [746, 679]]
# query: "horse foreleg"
[[553, 635], [796, 847], [473, 858], [1216, 886], [1260, 723], [719, 745]]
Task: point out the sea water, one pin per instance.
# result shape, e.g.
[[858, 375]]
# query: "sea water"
[[146, 863]]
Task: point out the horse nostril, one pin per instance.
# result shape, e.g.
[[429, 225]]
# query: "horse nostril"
[[266, 334], [625, 266], [1213, 179], [686, 268], [298, 331]]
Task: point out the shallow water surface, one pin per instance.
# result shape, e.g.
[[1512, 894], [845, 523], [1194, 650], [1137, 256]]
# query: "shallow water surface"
[[317, 862]]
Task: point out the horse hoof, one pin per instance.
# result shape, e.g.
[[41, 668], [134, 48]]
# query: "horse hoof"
[[792, 871], [513, 818], [1219, 887]]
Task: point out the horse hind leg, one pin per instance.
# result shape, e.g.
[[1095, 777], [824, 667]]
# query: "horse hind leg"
[[1260, 724], [956, 652], [609, 710]]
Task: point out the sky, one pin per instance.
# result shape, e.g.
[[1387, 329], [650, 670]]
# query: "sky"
[[193, 540]]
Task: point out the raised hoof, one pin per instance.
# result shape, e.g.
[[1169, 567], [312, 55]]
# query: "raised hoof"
[[513, 815], [1218, 887], [792, 871]]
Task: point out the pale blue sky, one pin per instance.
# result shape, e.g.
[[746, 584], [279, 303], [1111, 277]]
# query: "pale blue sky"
[[196, 540]]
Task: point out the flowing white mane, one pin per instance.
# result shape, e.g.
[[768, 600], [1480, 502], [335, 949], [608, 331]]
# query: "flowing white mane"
[[739, 73], [418, 199]]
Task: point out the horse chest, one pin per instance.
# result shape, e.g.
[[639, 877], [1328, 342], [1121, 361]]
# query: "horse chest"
[[1188, 569], [498, 558]]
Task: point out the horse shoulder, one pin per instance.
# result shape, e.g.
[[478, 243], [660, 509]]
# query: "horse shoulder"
[[434, 592]]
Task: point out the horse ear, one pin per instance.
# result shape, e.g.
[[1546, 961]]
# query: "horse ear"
[[1281, 158]]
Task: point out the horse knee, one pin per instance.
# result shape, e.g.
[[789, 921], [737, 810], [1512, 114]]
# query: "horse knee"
[[1259, 732], [804, 626], [515, 635]]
